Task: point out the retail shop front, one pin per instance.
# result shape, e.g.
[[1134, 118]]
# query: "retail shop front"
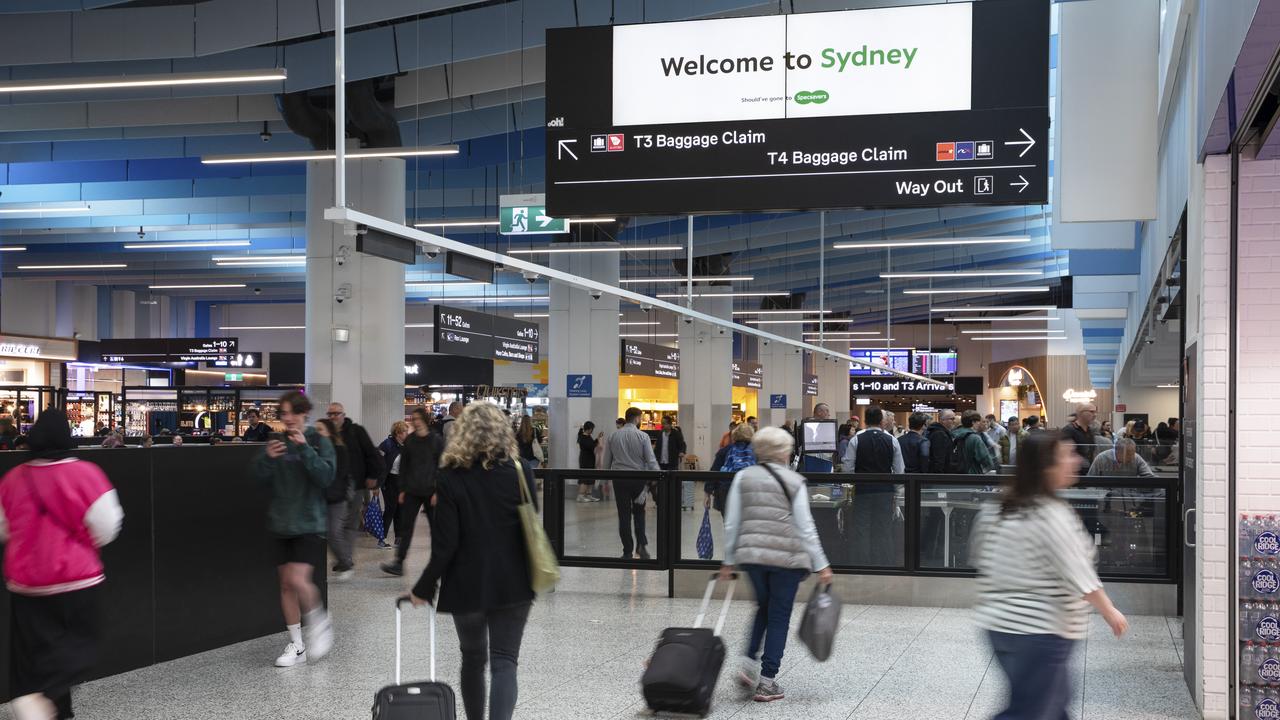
[[649, 380], [30, 371], [748, 380]]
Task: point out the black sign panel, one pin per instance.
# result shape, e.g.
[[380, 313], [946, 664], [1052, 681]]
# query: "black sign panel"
[[748, 374], [833, 141], [811, 385], [641, 358], [168, 350], [479, 335], [897, 386]]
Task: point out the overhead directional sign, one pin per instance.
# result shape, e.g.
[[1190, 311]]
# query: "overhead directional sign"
[[478, 335], [641, 358], [527, 215], [921, 106]]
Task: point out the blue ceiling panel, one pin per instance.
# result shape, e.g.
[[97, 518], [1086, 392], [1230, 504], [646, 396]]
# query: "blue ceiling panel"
[[62, 172], [62, 192], [177, 167], [1103, 332], [135, 190], [1106, 262], [268, 185]]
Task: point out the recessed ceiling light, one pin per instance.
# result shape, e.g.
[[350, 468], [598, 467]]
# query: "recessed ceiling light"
[[92, 266], [444, 283], [196, 287], [139, 81], [12, 248], [801, 321], [540, 315], [649, 335], [1027, 318], [458, 223], [300, 262], [568, 248], [491, 298], [185, 245], [931, 242], [640, 322], [1019, 331], [419, 326], [714, 278], [263, 327], [977, 291], [843, 333], [997, 338], [328, 155], [782, 312]]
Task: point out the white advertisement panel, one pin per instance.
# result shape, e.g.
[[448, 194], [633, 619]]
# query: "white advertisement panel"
[[855, 62]]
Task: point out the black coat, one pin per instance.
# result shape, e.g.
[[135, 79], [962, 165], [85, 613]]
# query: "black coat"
[[257, 434], [478, 552], [675, 446], [939, 447], [337, 490], [419, 460], [365, 460]]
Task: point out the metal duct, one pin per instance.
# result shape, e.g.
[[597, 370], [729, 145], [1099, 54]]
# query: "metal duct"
[[309, 113]]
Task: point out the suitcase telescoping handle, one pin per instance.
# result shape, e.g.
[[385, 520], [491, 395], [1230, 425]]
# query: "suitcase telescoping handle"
[[724, 607], [399, 602]]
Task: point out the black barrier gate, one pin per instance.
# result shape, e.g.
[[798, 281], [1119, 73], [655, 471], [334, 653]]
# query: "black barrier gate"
[[868, 524]]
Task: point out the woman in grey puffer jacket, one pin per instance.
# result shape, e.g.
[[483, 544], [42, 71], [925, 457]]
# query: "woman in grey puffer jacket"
[[769, 534]]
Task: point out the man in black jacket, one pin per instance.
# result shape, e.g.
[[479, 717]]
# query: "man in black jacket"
[[670, 447], [365, 470], [419, 460], [257, 431], [915, 446], [939, 436], [1080, 431]]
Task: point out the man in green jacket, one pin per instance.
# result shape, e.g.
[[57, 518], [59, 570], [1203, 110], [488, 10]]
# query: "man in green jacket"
[[1011, 441], [977, 458], [296, 466]]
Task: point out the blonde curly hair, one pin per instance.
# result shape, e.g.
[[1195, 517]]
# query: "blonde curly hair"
[[483, 434]]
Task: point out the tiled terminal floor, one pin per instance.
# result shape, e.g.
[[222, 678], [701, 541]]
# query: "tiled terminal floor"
[[585, 644]]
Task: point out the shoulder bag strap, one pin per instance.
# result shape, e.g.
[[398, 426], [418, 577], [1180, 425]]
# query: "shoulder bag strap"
[[781, 483], [524, 488]]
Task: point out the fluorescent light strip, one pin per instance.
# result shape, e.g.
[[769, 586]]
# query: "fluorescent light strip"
[[142, 81], [184, 245], [722, 278], [196, 287], [541, 315], [782, 312], [664, 296], [94, 266], [1006, 308], [932, 242], [419, 326], [571, 249], [1168, 386], [977, 291], [590, 221], [636, 322], [491, 298], [963, 274], [31, 210], [844, 333], [263, 327], [238, 258], [996, 338], [649, 335], [444, 283], [263, 263], [328, 155], [802, 321], [12, 248], [1019, 331], [1028, 318], [458, 223]]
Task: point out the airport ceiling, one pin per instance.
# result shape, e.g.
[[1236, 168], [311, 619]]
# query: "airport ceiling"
[[469, 73]]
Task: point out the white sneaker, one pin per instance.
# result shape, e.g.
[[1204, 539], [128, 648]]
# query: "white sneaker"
[[584, 499], [34, 707], [749, 674], [293, 655], [319, 638], [342, 575]]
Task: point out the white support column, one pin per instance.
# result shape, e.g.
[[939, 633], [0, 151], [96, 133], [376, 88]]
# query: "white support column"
[[783, 375], [124, 317], [582, 339], [706, 379], [364, 371], [77, 311]]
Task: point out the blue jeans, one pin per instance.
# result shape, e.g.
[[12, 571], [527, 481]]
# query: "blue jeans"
[[1037, 667], [775, 595]]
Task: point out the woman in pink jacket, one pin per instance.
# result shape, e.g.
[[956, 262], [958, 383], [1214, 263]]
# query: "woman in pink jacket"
[[55, 512]]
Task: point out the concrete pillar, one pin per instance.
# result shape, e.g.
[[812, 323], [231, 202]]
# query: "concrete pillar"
[[77, 311], [833, 385], [581, 339], [706, 379], [27, 307], [365, 369], [783, 375], [124, 318]]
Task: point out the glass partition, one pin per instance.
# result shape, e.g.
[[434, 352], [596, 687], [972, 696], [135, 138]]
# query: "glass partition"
[[618, 517]]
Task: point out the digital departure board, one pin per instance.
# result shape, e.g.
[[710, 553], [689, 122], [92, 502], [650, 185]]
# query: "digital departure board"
[[641, 358], [480, 335], [917, 106], [928, 362], [897, 358], [168, 350], [748, 374]]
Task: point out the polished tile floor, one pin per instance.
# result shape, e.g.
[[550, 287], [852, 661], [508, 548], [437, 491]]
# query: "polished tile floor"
[[584, 648]]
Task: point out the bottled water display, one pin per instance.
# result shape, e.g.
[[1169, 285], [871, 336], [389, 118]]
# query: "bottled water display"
[[1258, 550]]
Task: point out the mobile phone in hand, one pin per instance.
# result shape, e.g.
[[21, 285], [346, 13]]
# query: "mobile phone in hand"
[[278, 437]]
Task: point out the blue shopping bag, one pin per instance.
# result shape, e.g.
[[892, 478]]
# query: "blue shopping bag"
[[373, 518], [706, 546]]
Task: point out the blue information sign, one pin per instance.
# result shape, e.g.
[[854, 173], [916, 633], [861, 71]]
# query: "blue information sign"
[[777, 402], [579, 386]]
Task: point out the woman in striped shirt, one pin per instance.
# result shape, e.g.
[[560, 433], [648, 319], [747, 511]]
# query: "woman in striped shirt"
[[1036, 579]]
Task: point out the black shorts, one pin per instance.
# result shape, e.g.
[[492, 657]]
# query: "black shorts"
[[300, 549]]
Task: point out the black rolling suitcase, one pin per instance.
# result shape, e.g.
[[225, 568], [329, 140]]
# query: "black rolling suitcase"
[[682, 673], [415, 701]]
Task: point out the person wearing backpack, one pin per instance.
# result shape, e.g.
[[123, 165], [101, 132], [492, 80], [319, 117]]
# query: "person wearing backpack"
[[770, 535], [969, 454], [940, 442], [731, 458], [874, 451]]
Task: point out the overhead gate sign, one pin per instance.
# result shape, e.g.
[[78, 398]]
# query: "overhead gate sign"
[[928, 105]]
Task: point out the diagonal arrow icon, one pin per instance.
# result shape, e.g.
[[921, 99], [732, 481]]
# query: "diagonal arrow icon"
[[562, 147], [1021, 186], [1030, 142]]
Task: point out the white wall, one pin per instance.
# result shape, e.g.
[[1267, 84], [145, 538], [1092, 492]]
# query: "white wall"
[[1160, 404]]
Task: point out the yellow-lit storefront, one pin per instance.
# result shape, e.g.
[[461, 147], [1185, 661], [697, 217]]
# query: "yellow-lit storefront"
[[1018, 394], [655, 396], [748, 379]]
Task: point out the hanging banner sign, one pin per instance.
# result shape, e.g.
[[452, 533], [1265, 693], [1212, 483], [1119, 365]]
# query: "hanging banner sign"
[[748, 374], [641, 358]]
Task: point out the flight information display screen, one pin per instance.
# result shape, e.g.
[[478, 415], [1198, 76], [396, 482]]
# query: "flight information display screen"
[[916, 106], [897, 358], [945, 362]]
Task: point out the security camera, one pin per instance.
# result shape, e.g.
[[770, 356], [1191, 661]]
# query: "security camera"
[[529, 276], [430, 252], [689, 321], [766, 343], [342, 255], [645, 307], [257, 291], [266, 132], [720, 331], [142, 234], [344, 292], [339, 298], [596, 294]]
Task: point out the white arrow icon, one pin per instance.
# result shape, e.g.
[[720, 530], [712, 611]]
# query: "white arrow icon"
[[544, 220], [1030, 142], [1021, 186], [562, 147]]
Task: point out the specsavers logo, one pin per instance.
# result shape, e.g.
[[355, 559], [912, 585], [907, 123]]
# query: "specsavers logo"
[[817, 97]]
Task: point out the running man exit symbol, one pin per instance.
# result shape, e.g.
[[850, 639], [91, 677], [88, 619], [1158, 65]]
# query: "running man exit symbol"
[[519, 219]]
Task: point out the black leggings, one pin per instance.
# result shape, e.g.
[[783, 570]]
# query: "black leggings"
[[491, 638], [55, 643]]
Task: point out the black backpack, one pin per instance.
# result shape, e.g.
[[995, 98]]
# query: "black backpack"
[[958, 459]]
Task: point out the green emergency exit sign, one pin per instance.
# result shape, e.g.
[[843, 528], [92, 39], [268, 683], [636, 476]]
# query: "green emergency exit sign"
[[527, 215]]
